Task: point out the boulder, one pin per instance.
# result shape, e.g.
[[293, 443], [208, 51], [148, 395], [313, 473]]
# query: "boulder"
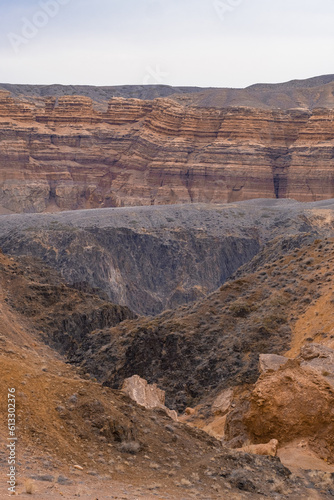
[[144, 394], [320, 359], [222, 403], [293, 403], [271, 362], [261, 449]]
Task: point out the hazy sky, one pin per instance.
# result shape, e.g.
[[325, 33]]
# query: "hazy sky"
[[219, 43]]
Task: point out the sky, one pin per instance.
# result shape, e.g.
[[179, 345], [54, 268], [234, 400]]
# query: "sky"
[[207, 43]]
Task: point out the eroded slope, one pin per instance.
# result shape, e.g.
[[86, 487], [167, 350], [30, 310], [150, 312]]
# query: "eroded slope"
[[65, 421]]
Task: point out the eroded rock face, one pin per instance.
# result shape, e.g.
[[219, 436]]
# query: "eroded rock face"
[[293, 403], [320, 359], [150, 259], [222, 403], [271, 362], [65, 154], [149, 396]]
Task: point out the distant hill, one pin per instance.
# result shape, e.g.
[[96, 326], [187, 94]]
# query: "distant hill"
[[310, 93]]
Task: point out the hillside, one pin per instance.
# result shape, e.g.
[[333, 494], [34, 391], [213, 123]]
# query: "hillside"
[[199, 353], [73, 432], [313, 92]]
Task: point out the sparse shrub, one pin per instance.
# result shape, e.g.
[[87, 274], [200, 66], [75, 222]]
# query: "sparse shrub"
[[132, 447], [272, 321], [279, 301], [240, 309]]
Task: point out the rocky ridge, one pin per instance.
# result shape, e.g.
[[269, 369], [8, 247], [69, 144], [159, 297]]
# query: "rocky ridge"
[[154, 258]]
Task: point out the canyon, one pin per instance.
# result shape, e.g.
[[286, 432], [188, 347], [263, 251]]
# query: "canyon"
[[238, 366], [99, 148], [155, 258], [166, 290]]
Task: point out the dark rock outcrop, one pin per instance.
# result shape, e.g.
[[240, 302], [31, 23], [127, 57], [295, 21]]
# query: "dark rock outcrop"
[[155, 258], [62, 315], [149, 260]]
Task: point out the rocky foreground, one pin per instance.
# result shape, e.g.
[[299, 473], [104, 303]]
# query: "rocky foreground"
[[75, 433], [113, 147], [246, 361]]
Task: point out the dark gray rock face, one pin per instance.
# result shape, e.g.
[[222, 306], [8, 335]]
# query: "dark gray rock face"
[[142, 271], [154, 258], [148, 267], [61, 315]]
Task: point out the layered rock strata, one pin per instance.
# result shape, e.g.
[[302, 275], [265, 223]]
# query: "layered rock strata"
[[64, 154]]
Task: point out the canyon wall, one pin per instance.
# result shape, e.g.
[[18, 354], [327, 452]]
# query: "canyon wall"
[[66, 153], [148, 258], [156, 258]]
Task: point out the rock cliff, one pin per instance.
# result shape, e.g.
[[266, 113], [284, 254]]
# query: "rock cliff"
[[148, 258], [70, 152], [155, 258]]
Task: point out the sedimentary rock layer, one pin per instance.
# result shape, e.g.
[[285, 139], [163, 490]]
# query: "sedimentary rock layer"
[[63, 153]]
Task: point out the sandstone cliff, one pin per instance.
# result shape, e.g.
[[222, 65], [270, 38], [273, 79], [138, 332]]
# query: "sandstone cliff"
[[69, 152]]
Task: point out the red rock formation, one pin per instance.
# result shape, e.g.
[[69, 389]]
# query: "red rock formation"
[[292, 403], [11, 109], [69, 155]]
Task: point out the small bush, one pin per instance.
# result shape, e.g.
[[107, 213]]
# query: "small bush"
[[240, 310], [272, 321], [132, 447]]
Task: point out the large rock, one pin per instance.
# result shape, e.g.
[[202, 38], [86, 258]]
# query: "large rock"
[[222, 403], [320, 359], [149, 396], [293, 403], [271, 362]]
